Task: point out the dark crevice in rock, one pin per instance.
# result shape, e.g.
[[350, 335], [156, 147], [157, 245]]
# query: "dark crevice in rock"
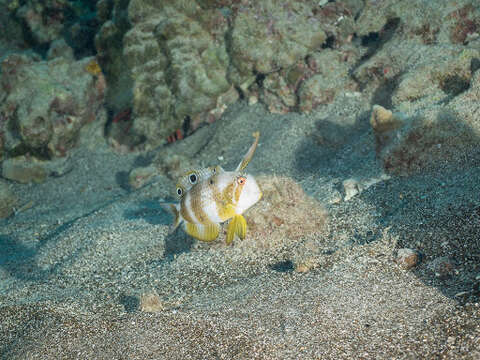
[[383, 94], [474, 65], [41, 153], [453, 86], [374, 42], [259, 78], [329, 43]]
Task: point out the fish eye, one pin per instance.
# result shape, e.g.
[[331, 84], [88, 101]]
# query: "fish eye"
[[179, 191], [193, 178], [241, 180]]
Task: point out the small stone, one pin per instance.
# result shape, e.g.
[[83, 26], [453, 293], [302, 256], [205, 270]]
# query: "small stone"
[[443, 267], [150, 302], [252, 100], [451, 340], [382, 119], [138, 177], [306, 265], [461, 294], [26, 170], [407, 258], [336, 198], [23, 171], [351, 188]]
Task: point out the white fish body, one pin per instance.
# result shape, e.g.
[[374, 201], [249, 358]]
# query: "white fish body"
[[212, 195]]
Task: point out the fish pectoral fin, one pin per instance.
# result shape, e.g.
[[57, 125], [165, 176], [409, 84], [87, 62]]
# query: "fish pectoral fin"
[[173, 209], [238, 225], [202, 232]]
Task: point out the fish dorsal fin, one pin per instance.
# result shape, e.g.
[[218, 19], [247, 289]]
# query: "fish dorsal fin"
[[248, 156], [193, 177]]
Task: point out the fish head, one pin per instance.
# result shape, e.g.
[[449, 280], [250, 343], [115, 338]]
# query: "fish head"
[[195, 176], [250, 192], [237, 190]]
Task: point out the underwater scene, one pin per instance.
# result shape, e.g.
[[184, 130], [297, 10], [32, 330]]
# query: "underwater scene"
[[239, 179]]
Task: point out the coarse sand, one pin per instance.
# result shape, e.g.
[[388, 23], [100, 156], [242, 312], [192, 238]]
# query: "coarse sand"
[[90, 270]]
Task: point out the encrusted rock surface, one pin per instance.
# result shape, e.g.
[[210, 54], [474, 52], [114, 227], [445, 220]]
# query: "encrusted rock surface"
[[44, 118], [188, 62]]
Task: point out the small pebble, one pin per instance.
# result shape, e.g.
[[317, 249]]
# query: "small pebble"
[[407, 258], [443, 267], [150, 302], [351, 188], [461, 294], [336, 198]]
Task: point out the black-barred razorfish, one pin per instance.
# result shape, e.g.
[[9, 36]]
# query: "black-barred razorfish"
[[211, 196]]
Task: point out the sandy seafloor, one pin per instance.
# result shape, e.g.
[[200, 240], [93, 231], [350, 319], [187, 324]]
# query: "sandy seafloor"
[[74, 265]]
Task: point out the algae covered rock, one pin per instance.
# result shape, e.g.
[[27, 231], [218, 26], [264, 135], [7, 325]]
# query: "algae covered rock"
[[112, 16], [330, 70], [190, 60], [426, 140], [47, 21], [440, 80], [267, 37], [28, 169], [44, 19], [178, 59], [274, 51], [44, 118]]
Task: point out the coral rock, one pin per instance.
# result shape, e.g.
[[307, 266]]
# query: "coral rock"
[[178, 61], [45, 117], [408, 144], [30, 170], [138, 177]]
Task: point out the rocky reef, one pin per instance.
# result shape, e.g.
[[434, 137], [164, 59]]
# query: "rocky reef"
[[172, 66], [42, 121], [188, 62]]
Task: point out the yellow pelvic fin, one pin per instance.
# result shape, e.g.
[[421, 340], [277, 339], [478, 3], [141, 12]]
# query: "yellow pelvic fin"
[[202, 232], [238, 225], [248, 156]]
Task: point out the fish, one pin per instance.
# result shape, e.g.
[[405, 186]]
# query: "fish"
[[211, 196]]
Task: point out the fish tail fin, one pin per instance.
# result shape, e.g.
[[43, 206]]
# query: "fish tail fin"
[[174, 209], [238, 226], [203, 232]]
